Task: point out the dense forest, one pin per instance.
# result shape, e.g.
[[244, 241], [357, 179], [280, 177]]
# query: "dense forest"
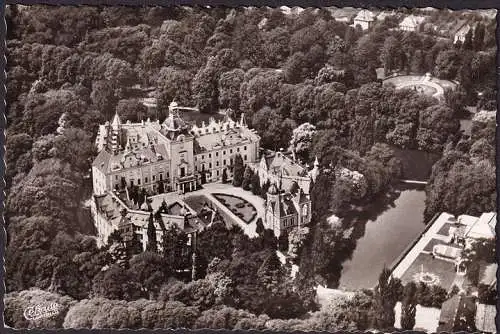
[[302, 80]]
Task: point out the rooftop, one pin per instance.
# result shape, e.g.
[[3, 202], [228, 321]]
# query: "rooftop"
[[412, 21], [365, 15]]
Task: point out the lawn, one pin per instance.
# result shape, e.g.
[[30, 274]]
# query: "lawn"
[[196, 203], [240, 207], [445, 271]]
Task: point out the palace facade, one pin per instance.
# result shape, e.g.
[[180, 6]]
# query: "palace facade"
[[169, 156]]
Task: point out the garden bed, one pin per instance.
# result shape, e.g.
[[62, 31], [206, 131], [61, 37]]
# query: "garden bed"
[[240, 207]]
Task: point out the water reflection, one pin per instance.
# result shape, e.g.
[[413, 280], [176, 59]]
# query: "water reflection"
[[380, 232]]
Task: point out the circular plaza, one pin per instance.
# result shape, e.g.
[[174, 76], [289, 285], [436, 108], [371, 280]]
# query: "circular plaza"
[[423, 84]]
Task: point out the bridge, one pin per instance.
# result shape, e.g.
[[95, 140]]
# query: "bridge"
[[414, 181]]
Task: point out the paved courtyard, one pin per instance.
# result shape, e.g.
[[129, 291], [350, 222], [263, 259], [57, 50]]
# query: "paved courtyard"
[[211, 188]]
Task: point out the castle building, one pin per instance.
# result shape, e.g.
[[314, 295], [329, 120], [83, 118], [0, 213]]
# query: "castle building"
[[171, 156], [174, 156], [286, 210]]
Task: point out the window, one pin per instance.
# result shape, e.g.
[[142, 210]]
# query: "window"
[[183, 172], [195, 168], [216, 154], [238, 149], [202, 156], [231, 151], [161, 176], [245, 157], [245, 148], [168, 175], [154, 177], [217, 163], [195, 158], [224, 162], [138, 181], [217, 173], [224, 152], [116, 177], [146, 180], [231, 161], [209, 155], [131, 183], [210, 165]]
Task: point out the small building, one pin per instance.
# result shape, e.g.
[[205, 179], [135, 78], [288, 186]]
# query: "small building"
[[364, 19], [461, 32], [411, 23], [345, 14], [472, 228]]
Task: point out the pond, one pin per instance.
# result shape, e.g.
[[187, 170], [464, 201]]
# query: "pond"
[[383, 237]]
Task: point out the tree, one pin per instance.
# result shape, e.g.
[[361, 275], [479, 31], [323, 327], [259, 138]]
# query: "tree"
[[479, 33], [131, 110], [151, 245], [468, 41], [409, 306], [229, 89], [103, 97], [390, 56], [238, 171], [247, 178], [387, 294], [255, 184], [174, 247], [259, 226], [302, 140], [224, 176]]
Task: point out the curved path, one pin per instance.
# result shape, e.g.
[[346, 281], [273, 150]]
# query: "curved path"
[[412, 80], [439, 90]]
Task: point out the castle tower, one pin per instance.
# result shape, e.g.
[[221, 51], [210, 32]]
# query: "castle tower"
[[243, 122], [315, 171], [116, 127]]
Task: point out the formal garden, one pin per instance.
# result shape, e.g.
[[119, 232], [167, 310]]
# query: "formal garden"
[[240, 207]]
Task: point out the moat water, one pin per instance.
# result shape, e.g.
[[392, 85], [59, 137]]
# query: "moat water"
[[383, 237], [382, 231]]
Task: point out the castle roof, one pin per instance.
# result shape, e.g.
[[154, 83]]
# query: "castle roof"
[[278, 162], [107, 162], [224, 137], [412, 21], [116, 121]]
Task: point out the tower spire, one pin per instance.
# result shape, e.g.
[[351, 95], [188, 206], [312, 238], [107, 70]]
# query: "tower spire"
[[243, 121]]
